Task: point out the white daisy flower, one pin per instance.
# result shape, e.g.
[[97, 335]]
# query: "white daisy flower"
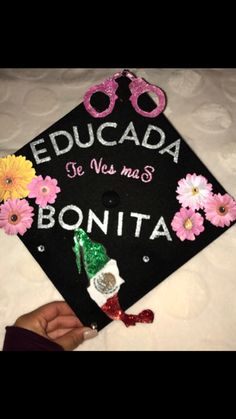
[[193, 191]]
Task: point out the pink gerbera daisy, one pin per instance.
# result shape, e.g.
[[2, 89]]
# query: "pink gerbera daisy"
[[44, 190], [187, 224], [16, 216], [193, 190], [220, 209]]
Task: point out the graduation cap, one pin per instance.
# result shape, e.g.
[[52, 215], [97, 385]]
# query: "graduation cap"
[[112, 184]]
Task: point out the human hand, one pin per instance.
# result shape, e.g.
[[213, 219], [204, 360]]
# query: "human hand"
[[57, 322]]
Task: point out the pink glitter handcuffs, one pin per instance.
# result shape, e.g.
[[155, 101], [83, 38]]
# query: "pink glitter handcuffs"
[[138, 86]]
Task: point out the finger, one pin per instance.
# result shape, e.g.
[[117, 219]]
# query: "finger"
[[63, 322], [55, 334], [75, 337], [38, 320], [52, 310]]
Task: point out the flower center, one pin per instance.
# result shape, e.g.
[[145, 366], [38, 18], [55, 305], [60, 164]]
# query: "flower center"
[[222, 210], [8, 181], [44, 190], [13, 218], [188, 224], [195, 191]]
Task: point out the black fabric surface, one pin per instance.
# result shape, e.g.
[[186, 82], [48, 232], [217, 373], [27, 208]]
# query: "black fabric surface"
[[155, 199]]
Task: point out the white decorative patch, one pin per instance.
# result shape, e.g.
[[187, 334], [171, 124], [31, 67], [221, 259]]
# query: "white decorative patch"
[[105, 283]]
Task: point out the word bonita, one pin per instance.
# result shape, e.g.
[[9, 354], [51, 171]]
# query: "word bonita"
[[46, 220]]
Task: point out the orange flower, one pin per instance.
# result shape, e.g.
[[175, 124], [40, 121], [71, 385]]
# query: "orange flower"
[[15, 174]]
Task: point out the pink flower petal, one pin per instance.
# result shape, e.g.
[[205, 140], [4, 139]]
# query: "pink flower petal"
[[24, 212], [179, 220], [44, 197], [192, 191], [213, 206]]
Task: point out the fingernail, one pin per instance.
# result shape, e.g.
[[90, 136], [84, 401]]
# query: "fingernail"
[[90, 333]]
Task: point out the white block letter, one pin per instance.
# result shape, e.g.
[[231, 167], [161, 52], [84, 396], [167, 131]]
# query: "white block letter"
[[174, 153], [156, 233], [147, 135], [139, 217], [37, 152], [91, 137], [101, 224], [70, 226], [99, 133], [132, 137], [48, 216], [69, 146]]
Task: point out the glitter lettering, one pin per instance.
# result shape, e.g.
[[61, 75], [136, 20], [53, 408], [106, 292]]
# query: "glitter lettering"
[[99, 167], [140, 218], [103, 225], [175, 153], [36, 153], [132, 137], [99, 133], [70, 226], [147, 135], [61, 134], [48, 216], [156, 233]]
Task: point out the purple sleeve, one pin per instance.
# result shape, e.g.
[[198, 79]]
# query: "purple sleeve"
[[19, 339]]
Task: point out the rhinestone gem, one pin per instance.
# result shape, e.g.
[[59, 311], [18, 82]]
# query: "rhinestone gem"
[[41, 248], [94, 326]]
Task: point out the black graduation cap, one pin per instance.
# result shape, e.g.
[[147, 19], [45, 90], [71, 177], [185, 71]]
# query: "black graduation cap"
[[133, 184]]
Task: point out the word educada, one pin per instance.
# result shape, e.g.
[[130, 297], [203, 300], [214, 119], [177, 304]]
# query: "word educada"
[[46, 220], [63, 141]]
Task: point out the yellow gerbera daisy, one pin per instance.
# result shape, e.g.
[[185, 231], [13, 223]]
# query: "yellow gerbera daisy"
[[15, 174]]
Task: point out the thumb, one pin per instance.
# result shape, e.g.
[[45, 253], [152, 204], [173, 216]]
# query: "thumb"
[[75, 337]]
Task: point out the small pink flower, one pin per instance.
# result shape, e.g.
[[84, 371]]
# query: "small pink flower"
[[16, 216], [220, 209], [193, 190], [187, 224], [44, 190]]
